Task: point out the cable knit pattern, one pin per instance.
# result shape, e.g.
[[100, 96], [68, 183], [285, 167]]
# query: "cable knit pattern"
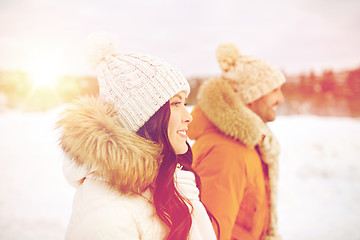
[[201, 228], [251, 77], [136, 84]]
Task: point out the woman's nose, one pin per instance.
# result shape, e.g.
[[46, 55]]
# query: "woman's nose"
[[187, 116]]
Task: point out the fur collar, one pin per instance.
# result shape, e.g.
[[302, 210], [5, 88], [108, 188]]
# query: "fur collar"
[[227, 112], [92, 136]]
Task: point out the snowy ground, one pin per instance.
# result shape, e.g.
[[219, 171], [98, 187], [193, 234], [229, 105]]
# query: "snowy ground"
[[319, 188]]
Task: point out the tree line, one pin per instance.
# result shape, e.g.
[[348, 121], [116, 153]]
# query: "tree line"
[[329, 93]]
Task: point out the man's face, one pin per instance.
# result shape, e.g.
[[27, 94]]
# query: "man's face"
[[265, 107]]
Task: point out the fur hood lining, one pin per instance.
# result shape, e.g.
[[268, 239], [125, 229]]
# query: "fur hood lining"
[[92, 137]]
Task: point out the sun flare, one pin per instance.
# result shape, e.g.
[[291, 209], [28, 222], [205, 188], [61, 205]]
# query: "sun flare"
[[44, 73]]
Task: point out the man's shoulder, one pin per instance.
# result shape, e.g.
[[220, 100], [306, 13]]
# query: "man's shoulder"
[[223, 145], [222, 141]]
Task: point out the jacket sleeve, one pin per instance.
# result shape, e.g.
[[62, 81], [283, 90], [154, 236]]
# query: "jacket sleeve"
[[106, 222], [73, 173], [121, 228], [223, 178]]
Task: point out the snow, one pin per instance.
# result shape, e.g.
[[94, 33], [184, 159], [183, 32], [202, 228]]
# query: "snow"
[[319, 184]]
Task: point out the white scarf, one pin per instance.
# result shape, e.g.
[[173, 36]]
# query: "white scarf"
[[201, 228]]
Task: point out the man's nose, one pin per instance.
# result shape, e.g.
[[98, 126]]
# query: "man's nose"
[[281, 97]]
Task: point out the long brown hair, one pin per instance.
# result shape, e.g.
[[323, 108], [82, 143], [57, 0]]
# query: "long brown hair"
[[169, 204]]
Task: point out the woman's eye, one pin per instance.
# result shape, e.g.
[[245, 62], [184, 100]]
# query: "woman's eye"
[[176, 104]]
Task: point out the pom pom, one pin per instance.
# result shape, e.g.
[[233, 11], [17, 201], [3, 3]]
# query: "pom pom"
[[98, 46], [227, 54]]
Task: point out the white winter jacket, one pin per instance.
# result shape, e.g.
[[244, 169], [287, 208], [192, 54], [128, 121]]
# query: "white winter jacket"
[[100, 212], [113, 169]]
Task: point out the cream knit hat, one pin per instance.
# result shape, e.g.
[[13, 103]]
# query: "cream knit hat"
[[252, 78], [136, 84]]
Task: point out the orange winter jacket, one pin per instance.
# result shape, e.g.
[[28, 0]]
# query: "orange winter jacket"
[[234, 180]]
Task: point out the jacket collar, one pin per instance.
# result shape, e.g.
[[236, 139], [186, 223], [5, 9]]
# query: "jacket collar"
[[228, 113]]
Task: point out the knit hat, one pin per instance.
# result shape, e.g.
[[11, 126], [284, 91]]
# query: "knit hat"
[[252, 78], [136, 84]]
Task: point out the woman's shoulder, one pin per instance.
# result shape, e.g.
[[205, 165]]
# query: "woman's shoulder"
[[100, 192]]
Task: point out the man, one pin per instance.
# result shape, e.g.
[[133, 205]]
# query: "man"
[[235, 153]]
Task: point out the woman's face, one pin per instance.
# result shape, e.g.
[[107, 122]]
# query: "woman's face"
[[178, 123]]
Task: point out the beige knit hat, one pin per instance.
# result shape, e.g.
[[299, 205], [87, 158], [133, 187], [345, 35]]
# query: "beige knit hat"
[[252, 78], [136, 84]]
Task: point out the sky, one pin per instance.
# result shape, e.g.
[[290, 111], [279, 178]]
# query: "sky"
[[318, 193], [296, 36]]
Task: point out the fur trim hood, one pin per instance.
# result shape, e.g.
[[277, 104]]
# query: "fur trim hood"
[[93, 139], [227, 112]]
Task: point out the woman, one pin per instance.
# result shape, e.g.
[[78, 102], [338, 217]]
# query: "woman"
[[127, 155]]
